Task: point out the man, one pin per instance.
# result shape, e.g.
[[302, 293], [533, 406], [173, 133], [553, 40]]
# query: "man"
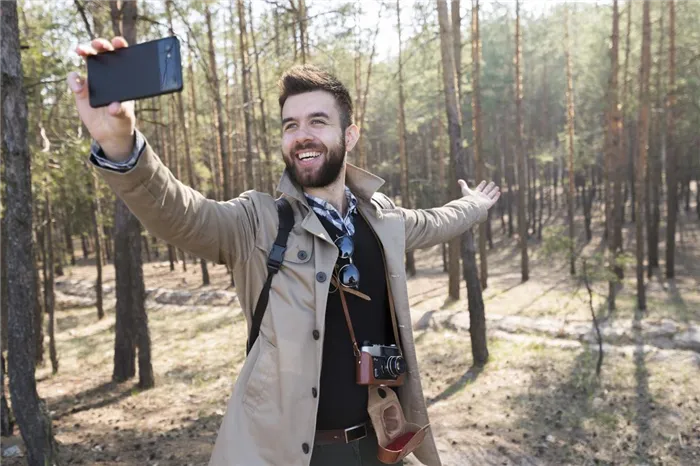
[[296, 400]]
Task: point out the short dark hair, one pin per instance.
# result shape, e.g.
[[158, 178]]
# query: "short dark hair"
[[306, 78]]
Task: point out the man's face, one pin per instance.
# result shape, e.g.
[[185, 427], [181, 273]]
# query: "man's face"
[[313, 142]]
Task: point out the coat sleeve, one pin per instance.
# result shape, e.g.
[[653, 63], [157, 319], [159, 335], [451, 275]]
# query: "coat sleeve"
[[428, 227], [222, 232]]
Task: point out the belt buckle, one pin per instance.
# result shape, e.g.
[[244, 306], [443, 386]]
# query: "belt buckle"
[[355, 433]]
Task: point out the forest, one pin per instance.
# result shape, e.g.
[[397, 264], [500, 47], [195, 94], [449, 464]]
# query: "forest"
[[563, 330]]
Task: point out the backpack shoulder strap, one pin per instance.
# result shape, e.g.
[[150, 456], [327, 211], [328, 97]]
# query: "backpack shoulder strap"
[[274, 261]]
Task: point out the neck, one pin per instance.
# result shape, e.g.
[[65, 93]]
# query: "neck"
[[333, 193]]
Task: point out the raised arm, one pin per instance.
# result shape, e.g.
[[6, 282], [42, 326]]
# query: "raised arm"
[[217, 231], [428, 227]]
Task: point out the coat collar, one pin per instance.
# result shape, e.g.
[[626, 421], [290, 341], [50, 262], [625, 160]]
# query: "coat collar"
[[362, 183]]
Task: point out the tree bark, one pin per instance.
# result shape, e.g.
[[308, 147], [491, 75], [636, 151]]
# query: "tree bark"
[[188, 154], [264, 137], [96, 215], [476, 129], [642, 138], [454, 131], [218, 110], [247, 94], [32, 415], [403, 157], [570, 132], [69, 238], [520, 151], [49, 292], [475, 301], [671, 151], [613, 168], [6, 416], [654, 166], [131, 328]]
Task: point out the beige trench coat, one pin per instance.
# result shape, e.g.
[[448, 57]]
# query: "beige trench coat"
[[271, 415]]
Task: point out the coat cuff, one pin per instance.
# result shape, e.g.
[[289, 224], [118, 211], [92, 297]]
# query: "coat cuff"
[[99, 158]]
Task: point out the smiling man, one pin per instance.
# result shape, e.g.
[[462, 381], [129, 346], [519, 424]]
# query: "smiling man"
[[299, 399]]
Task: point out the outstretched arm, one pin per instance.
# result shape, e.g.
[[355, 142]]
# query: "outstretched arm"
[[428, 227]]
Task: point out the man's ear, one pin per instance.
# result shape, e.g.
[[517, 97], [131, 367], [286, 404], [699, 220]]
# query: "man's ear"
[[352, 135]]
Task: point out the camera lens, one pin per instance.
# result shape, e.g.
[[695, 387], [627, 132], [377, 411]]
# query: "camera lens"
[[396, 365]]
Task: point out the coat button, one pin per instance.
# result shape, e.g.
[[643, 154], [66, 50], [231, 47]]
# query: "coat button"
[[316, 334], [321, 277], [305, 447], [302, 255], [314, 392]]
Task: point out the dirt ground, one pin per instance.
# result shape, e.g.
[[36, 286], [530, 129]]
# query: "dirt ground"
[[537, 402]]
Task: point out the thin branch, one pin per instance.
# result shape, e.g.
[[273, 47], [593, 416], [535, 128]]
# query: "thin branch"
[[81, 10]]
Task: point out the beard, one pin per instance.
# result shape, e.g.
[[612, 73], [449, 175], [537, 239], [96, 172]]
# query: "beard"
[[326, 174]]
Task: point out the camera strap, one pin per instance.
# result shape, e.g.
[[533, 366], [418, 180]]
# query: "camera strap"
[[274, 261], [355, 348]]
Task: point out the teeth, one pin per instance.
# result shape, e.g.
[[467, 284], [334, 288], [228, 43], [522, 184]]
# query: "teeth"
[[308, 155]]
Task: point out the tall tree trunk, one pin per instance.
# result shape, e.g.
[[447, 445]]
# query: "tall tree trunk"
[[477, 321], [247, 94], [654, 155], [69, 238], [621, 157], [32, 416], [131, 329], [218, 110], [7, 420], [403, 157], [642, 138], [264, 137], [476, 128], [613, 199], [454, 132], [96, 215], [570, 131], [520, 151], [191, 180], [671, 151], [49, 293]]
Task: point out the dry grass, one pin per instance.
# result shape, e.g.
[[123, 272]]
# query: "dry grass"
[[530, 405]]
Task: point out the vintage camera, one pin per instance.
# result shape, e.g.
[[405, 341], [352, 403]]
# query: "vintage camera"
[[380, 365]]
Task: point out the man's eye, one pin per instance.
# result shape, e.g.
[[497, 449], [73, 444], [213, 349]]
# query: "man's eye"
[[318, 122], [290, 126]]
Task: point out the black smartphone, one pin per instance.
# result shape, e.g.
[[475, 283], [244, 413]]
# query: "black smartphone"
[[136, 72]]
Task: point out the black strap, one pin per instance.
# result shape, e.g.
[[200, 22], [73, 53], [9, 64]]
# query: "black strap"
[[274, 261]]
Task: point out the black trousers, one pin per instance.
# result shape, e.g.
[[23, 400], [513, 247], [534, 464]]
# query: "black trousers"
[[361, 452]]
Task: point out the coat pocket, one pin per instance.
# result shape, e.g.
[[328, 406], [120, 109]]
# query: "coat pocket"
[[259, 389]]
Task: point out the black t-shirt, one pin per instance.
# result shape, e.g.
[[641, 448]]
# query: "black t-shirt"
[[342, 402]]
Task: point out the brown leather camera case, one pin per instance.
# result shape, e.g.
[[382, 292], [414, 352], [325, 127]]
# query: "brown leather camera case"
[[365, 373], [389, 424]]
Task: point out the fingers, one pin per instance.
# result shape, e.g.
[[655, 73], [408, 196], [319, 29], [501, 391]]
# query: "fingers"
[[119, 42], [101, 45], [78, 85], [481, 186], [462, 184], [85, 50], [116, 109]]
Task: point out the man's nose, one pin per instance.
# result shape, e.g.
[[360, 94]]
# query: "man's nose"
[[302, 136]]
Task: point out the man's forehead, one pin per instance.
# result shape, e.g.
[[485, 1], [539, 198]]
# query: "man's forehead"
[[299, 106]]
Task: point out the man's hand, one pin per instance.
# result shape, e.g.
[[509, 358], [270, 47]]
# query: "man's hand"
[[112, 126], [489, 193]]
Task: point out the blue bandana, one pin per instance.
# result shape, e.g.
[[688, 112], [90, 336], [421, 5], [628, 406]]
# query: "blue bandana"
[[324, 209]]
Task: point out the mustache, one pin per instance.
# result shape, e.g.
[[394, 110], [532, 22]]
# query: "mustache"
[[317, 146]]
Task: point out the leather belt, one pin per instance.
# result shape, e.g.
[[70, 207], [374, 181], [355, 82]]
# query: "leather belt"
[[325, 437]]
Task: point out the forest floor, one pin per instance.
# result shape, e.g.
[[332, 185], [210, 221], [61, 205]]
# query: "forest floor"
[[537, 401]]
